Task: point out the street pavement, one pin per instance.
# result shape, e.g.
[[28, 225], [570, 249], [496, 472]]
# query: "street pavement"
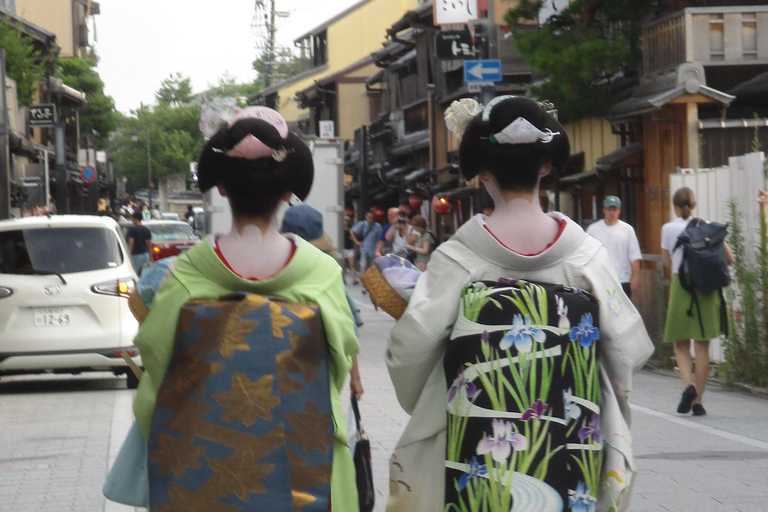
[[60, 435]]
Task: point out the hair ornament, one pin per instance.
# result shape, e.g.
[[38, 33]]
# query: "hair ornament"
[[251, 148], [522, 131], [460, 113]]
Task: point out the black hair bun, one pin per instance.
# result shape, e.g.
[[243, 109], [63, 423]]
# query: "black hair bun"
[[291, 167]]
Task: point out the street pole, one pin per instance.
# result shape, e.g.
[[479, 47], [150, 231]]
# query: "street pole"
[[5, 167], [149, 172], [62, 205]]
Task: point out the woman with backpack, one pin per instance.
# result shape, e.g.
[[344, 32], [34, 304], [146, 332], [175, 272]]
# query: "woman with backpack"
[[687, 320], [424, 246], [276, 438], [442, 359]]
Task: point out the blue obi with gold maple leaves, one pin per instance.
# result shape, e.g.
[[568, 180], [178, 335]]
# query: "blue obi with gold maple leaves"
[[243, 417]]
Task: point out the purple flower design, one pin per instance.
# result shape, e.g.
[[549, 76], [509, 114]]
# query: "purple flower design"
[[460, 383], [580, 500], [475, 471], [592, 430], [585, 332], [500, 444], [508, 281], [522, 335], [537, 410], [485, 338]]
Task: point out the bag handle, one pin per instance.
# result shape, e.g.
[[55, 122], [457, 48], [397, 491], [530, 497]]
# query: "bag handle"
[[356, 410]]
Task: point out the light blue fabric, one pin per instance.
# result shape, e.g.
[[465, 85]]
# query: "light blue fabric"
[[370, 234], [127, 481], [355, 314]]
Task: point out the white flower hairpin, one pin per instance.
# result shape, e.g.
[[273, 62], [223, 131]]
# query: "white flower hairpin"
[[460, 113], [522, 131]]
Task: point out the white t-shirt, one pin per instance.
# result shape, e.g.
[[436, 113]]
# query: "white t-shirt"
[[399, 241], [669, 233], [621, 243]]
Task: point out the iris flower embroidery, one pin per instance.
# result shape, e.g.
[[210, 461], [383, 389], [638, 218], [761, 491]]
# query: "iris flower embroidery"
[[461, 382], [522, 334], [614, 303], [592, 430], [585, 332], [537, 410], [500, 444], [580, 500], [572, 411], [485, 338], [475, 471]]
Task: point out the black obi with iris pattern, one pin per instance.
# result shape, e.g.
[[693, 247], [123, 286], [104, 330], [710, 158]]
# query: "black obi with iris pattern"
[[523, 399]]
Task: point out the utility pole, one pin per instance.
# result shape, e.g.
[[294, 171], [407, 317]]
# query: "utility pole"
[[269, 64], [265, 29], [5, 168], [149, 172]]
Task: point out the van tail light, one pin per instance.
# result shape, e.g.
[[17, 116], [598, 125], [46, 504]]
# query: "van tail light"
[[118, 288], [5, 292]]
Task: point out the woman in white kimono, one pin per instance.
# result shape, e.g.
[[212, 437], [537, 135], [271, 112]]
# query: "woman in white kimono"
[[510, 145]]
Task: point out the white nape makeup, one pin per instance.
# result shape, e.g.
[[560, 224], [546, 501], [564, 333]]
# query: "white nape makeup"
[[517, 220]]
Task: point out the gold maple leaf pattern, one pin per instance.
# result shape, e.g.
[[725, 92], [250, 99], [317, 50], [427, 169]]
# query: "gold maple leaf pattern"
[[311, 429], [239, 475], [187, 377], [204, 499], [303, 475], [301, 499], [187, 414], [279, 320], [176, 455], [248, 400], [298, 360]]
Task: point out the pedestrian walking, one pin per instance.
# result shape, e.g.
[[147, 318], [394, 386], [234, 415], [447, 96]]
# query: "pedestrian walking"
[[257, 164], [620, 240], [425, 244], [509, 145], [139, 238], [366, 235], [384, 245], [687, 319], [349, 252], [401, 234]]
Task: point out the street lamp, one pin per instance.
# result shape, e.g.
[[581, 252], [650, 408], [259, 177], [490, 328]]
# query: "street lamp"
[[149, 168]]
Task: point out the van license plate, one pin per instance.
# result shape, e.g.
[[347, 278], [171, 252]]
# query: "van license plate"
[[51, 317]]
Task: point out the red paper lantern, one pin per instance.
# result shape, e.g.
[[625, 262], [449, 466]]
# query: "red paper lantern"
[[349, 212], [378, 214], [441, 204], [415, 201]]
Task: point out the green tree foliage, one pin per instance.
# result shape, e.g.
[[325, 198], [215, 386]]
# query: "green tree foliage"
[[174, 135], [228, 87], [579, 50], [23, 62], [176, 90], [284, 66], [99, 117]]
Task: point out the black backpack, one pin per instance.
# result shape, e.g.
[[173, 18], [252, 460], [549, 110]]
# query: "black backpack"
[[704, 268]]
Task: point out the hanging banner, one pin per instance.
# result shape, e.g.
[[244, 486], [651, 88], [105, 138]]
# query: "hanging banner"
[[454, 12]]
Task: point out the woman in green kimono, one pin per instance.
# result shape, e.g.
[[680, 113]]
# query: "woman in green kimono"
[[257, 163]]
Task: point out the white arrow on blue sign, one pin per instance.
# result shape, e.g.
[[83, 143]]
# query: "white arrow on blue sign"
[[488, 70]]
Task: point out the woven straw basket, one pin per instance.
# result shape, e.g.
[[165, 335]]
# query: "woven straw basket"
[[382, 294]]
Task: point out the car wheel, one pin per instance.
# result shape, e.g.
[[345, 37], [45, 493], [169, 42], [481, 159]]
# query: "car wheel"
[[132, 381]]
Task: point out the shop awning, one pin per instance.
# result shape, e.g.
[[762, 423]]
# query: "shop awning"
[[411, 142], [637, 106], [627, 155]]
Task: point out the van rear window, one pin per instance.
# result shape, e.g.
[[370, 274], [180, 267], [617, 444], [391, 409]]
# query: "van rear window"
[[58, 250]]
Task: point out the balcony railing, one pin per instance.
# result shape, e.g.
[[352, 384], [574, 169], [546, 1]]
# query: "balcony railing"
[[709, 35]]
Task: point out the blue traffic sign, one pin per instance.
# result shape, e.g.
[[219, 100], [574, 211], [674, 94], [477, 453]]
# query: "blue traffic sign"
[[488, 70], [88, 174]]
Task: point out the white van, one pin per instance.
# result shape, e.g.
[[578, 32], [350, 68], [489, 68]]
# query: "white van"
[[64, 287]]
